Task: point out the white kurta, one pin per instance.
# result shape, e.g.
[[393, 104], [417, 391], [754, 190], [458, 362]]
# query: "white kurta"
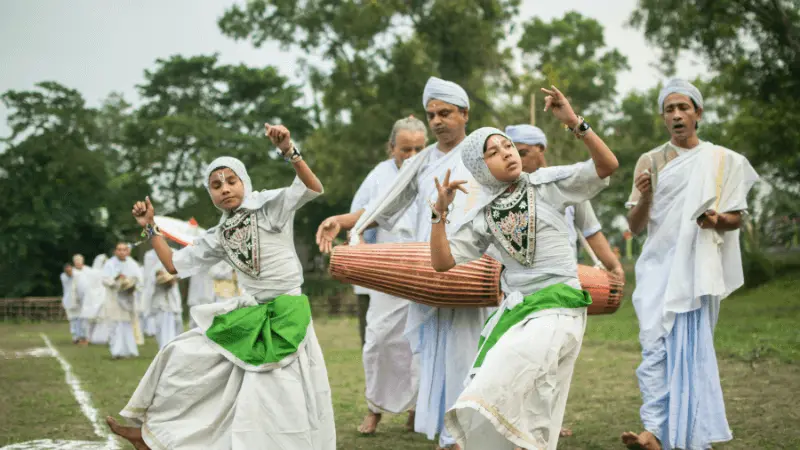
[[390, 368], [147, 318], [581, 217], [98, 325], [195, 396], [161, 303], [71, 303], [518, 396], [444, 338], [120, 306], [682, 275]]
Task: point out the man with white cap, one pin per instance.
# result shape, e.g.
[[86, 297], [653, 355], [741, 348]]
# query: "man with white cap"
[[445, 339], [532, 145], [690, 196]]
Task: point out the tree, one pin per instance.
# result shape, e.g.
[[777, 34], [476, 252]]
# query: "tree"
[[754, 47], [378, 57], [53, 188], [195, 110], [569, 52]]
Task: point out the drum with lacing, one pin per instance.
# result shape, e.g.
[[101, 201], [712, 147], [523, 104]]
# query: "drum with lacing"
[[404, 270]]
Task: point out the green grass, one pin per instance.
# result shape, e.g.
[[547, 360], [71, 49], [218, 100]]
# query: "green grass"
[[757, 343]]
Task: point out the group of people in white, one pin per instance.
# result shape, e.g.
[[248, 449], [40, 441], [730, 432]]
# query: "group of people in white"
[[251, 373], [118, 302]]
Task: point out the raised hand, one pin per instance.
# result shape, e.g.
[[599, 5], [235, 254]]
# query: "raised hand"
[[279, 135], [144, 212], [447, 191], [562, 110], [326, 233]]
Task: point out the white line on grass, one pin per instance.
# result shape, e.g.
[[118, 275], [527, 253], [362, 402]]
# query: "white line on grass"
[[82, 397]]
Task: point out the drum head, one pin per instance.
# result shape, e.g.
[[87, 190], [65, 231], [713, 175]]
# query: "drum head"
[[179, 231]]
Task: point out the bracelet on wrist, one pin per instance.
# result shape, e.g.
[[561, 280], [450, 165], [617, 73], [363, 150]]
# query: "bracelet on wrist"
[[580, 129], [151, 230]]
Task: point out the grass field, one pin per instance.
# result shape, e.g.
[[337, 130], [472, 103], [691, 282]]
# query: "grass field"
[[758, 343]]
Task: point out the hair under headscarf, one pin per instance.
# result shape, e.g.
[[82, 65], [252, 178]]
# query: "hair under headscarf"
[[446, 91], [526, 134], [679, 86]]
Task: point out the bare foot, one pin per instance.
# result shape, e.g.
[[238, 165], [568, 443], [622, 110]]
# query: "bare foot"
[[644, 441], [370, 423], [410, 421], [449, 447], [565, 432], [131, 434]]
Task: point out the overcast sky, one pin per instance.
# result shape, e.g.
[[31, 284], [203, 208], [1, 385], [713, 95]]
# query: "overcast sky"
[[98, 46]]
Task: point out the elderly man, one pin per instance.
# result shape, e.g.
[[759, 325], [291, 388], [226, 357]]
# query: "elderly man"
[[690, 196], [390, 370], [444, 338]]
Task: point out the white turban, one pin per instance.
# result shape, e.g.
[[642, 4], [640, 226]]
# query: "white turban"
[[679, 86], [526, 134], [446, 91]]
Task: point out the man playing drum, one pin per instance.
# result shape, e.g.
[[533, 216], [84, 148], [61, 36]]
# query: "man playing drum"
[[444, 338]]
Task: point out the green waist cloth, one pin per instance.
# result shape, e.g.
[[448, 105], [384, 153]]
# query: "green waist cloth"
[[264, 333], [555, 296]]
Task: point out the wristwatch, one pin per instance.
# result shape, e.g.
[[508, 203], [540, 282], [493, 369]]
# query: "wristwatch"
[[581, 129], [292, 156]]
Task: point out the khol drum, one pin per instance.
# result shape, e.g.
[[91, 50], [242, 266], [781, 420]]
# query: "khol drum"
[[404, 270]]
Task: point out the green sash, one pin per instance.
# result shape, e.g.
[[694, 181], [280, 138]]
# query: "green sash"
[[555, 296], [265, 333]]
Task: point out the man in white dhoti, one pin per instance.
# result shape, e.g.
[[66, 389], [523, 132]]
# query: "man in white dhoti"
[[531, 143], [123, 278], [161, 300], [99, 328], [90, 293], [147, 318], [71, 303], [689, 195], [251, 375], [443, 338], [390, 370], [517, 388]]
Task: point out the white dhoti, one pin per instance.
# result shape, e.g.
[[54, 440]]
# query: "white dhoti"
[[192, 397], [99, 331], [149, 324], [446, 343], [77, 328], [166, 325], [390, 368], [122, 342], [518, 397]]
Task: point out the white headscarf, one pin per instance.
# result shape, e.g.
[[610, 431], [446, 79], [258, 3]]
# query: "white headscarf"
[[446, 91], [252, 200], [526, 134], [472, 157], [679, 86]]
